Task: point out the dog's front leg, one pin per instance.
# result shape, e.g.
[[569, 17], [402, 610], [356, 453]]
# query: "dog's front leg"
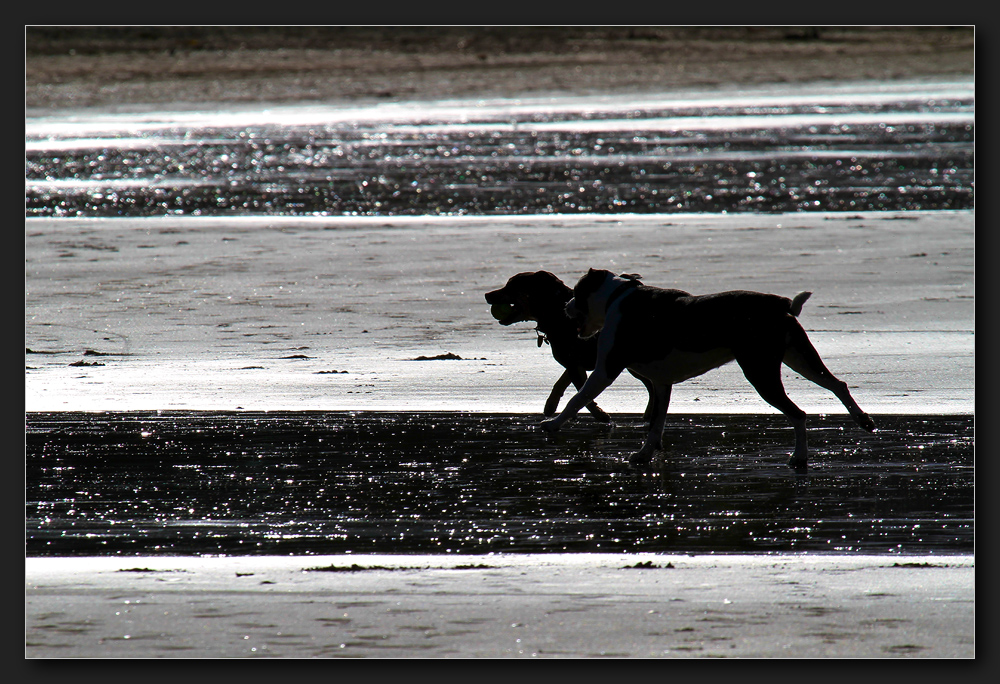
[[557, 391], [800, 457], [659, 401], [596, 383], [579, 378]]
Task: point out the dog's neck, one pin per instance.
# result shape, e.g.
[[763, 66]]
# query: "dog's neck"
[[608, 295], [551, 320], [620, 291], [614, 289]]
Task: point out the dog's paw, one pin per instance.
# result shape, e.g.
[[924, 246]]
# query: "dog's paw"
[[599, 415], [549, 426], [640, 465], [799, 463], [865, 421], [641, 460]]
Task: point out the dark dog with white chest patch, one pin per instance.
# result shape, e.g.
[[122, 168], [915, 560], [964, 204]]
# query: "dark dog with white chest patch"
[[541, 297], [668, 336]]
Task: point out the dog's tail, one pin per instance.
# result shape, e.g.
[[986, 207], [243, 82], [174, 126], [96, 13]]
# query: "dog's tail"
[[797, 302]]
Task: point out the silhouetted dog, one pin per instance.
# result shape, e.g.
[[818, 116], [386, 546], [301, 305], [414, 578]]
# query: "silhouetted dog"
[[668, 336], [541, 297]]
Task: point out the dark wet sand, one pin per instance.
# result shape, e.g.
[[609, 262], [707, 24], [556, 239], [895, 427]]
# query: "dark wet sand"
[[308, 483]]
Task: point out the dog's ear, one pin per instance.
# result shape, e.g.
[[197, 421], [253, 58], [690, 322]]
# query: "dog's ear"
[[631, 276]]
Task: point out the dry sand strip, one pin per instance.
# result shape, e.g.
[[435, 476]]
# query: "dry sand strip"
[[208, 314], [71, 67], [503, 606]]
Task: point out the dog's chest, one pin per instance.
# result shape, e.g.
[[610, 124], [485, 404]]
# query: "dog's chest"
[[678, 366]]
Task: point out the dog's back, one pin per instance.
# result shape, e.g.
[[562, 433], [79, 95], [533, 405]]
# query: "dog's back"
[[654, 319]]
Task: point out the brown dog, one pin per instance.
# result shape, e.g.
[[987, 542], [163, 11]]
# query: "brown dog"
[[541, 297], [668, 336]]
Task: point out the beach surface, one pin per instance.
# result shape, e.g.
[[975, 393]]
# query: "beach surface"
[[135, 68], [387, 313], [370, 313], [502, 606]]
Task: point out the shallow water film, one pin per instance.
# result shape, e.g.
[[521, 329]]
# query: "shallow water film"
[[318, 483], [860, 150]]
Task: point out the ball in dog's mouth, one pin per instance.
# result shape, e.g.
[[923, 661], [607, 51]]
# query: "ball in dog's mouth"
[[501, 311]]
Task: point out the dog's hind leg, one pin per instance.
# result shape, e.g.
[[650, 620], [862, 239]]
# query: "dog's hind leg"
[[764, 373], [656, 411], [803, 358], [647, 414]]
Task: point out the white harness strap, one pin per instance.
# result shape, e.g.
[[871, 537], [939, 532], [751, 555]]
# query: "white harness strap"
[[621, 292]]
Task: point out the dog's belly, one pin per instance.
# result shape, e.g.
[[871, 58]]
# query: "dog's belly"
[[678, 366]]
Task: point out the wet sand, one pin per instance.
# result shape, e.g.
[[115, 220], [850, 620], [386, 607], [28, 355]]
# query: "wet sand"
[[314, 483]]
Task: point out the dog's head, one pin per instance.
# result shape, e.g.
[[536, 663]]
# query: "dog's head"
[[591, 298], [529, 296]]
